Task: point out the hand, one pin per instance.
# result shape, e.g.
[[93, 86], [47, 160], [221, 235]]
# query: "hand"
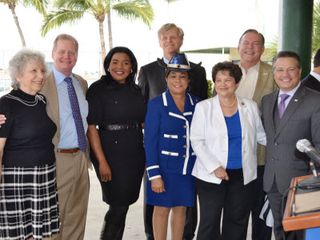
[[2, 119], [221, 173], [157, 185], [105, 171]]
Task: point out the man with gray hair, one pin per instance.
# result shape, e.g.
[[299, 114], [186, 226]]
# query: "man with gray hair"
[[257, 81]]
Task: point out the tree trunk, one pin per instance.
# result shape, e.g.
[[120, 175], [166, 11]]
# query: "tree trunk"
[[110, 31], [102, 45], [16, 20], [102, 41]]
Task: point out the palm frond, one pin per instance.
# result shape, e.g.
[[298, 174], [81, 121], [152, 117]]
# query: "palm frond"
[[39, 5], [56, 19], [99, 8], [72, 4], [9, 1], [137, 9]]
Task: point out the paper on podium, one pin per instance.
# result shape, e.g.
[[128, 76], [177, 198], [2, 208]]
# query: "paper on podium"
[[306, 202]]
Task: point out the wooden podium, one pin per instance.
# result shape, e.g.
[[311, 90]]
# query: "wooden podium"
[[293, 222]]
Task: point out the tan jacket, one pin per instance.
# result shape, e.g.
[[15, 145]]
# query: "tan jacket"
[[49, 90]]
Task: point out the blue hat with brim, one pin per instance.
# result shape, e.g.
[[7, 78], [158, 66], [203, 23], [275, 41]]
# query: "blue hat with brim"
[[179, 62]]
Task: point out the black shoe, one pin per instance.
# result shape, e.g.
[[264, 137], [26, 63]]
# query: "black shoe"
[[149, 237]]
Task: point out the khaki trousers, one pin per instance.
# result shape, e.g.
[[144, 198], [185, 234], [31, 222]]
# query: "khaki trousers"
[[73, 194]]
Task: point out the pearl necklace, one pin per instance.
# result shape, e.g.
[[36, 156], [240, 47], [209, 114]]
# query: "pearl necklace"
[[27, 103], [229, 106]]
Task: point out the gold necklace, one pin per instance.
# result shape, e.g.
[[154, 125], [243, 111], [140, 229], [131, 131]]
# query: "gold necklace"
[[229, 106]]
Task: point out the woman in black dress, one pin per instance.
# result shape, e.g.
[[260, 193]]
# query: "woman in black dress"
[[28, 194], [116, 113]]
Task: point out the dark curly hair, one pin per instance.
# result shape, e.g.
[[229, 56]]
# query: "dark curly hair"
[[233, 69], [131, 78]]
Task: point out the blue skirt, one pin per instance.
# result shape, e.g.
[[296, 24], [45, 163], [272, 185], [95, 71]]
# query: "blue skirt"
[[179, 191]]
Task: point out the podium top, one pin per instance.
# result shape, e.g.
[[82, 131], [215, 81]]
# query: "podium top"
[[306, 220]]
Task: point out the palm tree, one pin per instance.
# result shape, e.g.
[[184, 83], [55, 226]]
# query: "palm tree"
[[39, 5], [316, 28], [70, 11]]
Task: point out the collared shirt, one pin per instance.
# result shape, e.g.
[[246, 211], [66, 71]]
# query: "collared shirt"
[[68, 132], [315, 75], [290, 93], [166, 61], [248, 81]]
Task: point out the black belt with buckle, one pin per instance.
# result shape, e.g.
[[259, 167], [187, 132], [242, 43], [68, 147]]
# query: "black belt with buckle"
[[119, 127]]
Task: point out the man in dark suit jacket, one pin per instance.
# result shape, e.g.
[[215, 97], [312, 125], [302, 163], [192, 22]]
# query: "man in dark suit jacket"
[[152, 82], [300, 120], [313, 79], [152, 76]]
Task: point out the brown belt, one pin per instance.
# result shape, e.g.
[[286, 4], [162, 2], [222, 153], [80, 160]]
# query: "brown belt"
[[68, 150]]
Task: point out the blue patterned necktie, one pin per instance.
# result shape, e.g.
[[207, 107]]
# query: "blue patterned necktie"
[[76, 114], [282, 104]]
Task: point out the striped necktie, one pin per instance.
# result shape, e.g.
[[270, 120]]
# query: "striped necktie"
[[282, 104]]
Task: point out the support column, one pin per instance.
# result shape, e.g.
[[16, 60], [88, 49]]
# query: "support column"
[[296, 30]]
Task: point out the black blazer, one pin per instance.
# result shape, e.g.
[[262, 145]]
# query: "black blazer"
[[153, 82], [311, 82]]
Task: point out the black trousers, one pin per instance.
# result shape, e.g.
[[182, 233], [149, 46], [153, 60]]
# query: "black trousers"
[[114, 223], [231, 197], [260, 231], [277, 201], [190, 225]]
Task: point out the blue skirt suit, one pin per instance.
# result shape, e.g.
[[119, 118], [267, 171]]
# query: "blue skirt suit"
[[169, 154]]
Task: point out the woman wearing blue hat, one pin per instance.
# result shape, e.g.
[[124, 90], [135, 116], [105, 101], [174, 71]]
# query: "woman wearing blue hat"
[[169, 155]]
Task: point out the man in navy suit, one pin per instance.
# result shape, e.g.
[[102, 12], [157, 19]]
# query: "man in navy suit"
[[152, 82], [313, 79]]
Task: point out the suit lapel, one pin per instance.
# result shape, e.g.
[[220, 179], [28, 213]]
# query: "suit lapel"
[[291, 108], [162, 72], [261, 82], [172, 108], [83, 83], [243, 113], [50, 91], [273, 106]]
